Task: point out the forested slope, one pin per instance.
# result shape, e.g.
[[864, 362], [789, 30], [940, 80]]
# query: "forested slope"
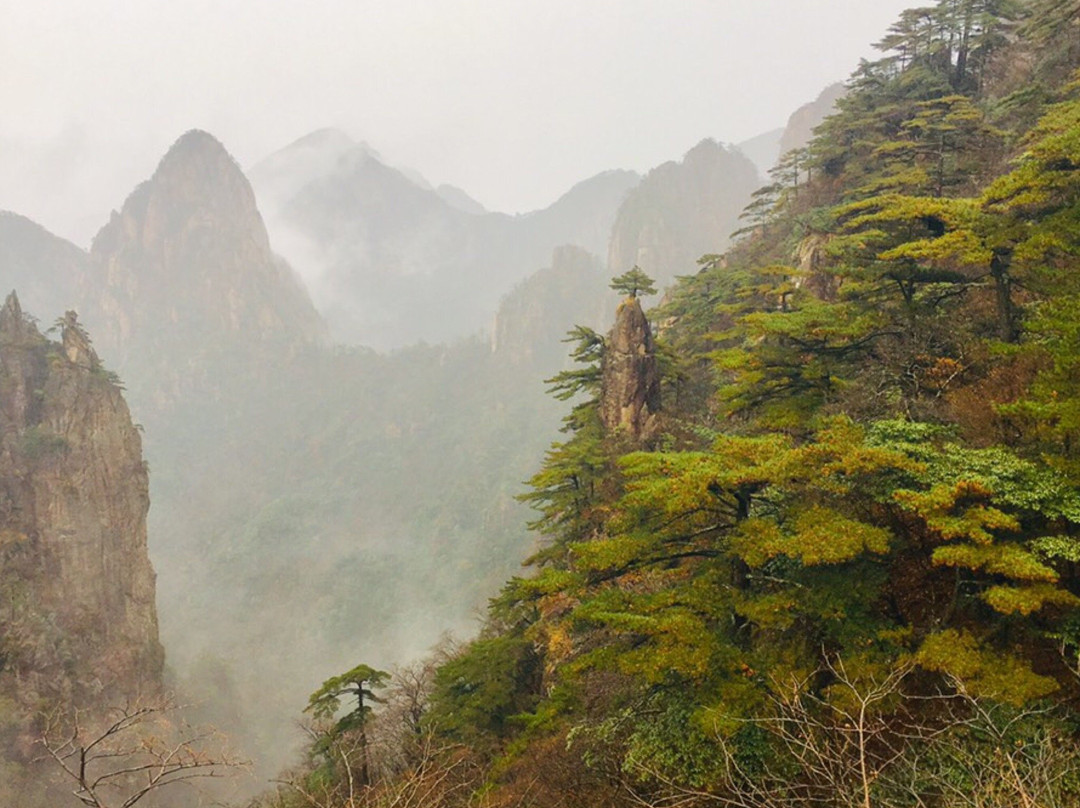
[[836, 564]]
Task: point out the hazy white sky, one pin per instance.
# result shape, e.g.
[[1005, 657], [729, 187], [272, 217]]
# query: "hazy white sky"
[[512, 100]]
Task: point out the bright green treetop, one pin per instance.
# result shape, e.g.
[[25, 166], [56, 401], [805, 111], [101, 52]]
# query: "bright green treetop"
[[359, 682], [634, 283]]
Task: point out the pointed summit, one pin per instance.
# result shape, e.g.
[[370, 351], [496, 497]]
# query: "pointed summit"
[[76, 342], [630, 376], [15, 327], [198, 178], [189, 275], [196, 147], [196, 140], [196, 182], [12, 311]]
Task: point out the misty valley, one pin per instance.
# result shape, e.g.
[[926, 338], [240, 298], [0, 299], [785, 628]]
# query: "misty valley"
[[750, 481]]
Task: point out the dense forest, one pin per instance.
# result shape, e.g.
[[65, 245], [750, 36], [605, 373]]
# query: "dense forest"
[[816, 543]]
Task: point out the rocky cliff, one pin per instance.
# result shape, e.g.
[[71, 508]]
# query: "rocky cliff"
[[79, 620], [630, 376], [187, 277], [682, 211]]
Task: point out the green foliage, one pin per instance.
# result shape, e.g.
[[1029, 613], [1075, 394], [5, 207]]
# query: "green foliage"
[[633, 283], [566, 489], [588, 349], [673, 739], [361, 683], [984, 674], [481, 691], [38, 442], [793, 361], [866, 506]]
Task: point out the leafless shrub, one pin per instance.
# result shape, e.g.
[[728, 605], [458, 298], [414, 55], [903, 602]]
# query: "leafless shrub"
[[133, 751]]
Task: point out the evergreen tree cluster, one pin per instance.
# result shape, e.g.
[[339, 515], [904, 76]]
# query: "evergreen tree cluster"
[[848, 573]]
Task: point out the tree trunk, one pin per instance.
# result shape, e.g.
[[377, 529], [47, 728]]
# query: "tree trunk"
[[1008, 329]]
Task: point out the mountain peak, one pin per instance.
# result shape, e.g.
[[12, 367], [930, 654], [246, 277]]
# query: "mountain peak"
[[198, 160], [326, 138], [705, 146], [188, 263], [197, 139], [314, 156], [197, 181], [12, 322], [11, 307], [681, 211]]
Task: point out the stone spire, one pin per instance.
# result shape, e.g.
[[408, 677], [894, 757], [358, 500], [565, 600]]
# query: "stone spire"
[[12, 322], [630, 381], [76, 342]]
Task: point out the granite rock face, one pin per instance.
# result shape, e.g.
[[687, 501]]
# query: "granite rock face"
[[190, 285], [630, 376], [79, 622], [682, 211]]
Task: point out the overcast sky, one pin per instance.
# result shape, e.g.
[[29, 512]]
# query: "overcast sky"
[[512, 100]]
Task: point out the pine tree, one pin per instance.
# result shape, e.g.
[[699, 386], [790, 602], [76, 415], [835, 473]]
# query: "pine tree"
[[633, 283]]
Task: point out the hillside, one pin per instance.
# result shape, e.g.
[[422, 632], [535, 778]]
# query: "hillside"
[[817, 545], [838, 455]]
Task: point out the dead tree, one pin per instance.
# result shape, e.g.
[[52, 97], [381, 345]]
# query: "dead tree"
[[134, 751]]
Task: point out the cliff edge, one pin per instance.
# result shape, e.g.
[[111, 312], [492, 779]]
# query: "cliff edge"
[[78, 622]]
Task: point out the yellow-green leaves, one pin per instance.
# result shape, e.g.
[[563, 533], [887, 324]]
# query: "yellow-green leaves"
[[824, 536], [1025, 600], [662, 633], [956, 511], [1007, 560], [817, 536], [982, 672], [758, 540]]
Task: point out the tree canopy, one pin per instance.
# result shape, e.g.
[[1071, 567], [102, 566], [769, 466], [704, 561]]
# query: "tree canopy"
[[845, 573], [634, 283]]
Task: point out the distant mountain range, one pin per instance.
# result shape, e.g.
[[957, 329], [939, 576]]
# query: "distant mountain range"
[[391, 260]]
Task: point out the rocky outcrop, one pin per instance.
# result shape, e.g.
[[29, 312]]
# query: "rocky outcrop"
[[810, 257], [79, 621], [682, 211], [630, 376], [188, 281]]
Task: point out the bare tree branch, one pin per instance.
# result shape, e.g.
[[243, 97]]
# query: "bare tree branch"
[[132, 752]]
